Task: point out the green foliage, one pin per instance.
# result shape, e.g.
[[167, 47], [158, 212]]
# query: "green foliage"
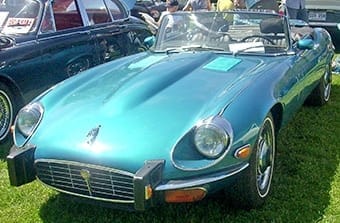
[[306, 185]]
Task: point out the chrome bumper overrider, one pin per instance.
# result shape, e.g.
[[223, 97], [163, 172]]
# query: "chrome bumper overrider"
[[20, 165]]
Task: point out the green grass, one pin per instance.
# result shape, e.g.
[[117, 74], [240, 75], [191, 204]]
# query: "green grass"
[[306, 185]]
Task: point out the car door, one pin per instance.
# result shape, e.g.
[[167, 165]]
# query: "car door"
[[301, 77], [65, 41], [311, 64], [134, 31], [116, 33]]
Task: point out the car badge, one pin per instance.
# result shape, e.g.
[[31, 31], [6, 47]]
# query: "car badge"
[[92, 135], [86, 175]]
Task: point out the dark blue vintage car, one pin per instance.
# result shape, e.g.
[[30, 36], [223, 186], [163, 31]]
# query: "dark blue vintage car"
[[45, 41], [197, 114]]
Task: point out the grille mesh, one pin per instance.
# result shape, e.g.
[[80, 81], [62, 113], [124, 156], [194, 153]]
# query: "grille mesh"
[[102, 183]]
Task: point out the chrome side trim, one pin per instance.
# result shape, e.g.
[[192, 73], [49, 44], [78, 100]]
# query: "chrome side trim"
[[180, 184], [323, 24]]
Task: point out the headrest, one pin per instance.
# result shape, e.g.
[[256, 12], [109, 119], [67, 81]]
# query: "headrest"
[[272, 25]]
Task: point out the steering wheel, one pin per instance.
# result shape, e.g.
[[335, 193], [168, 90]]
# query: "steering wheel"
[[222, 31], [255, 37]]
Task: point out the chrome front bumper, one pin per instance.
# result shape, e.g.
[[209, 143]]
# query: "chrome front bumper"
[[147, 184]]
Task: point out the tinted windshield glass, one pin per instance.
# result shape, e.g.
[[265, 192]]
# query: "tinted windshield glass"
[[243, 32], [18, 16]]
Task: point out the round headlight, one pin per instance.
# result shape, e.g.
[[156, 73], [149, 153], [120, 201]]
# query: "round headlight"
[[28, 118], [211, 140]]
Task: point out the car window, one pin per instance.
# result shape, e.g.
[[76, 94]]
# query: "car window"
[[47, 24], [96, 11], [116, 9], [19, 17], [66, 14]]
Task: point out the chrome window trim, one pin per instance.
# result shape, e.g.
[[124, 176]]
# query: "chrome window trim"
[[83, 13]]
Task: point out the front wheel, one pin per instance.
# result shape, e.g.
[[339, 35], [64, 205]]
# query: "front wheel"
[[253, 185], [7, 111]]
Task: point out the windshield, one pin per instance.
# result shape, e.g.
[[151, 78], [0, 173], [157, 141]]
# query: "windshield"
[[18, 16], [234, 32]]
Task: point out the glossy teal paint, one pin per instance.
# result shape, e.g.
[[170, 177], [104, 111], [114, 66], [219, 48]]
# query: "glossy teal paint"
[[147, 94], [158, 99], [145, 107]]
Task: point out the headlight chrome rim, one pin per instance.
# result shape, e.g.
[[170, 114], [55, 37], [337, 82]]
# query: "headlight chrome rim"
[[218, 136], [26, 122]]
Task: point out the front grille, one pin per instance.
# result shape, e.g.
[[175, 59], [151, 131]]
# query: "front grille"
[[86, 180]]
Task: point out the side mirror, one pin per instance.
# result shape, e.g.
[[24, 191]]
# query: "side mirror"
[[305, 44], [149, 41]]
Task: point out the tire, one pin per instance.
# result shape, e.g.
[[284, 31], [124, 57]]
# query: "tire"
[[321, 94], [252, 187], [8, 109]]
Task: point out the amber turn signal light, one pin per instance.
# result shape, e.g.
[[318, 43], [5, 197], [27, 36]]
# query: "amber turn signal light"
[[148, 192], [243, 152], [185, 195]]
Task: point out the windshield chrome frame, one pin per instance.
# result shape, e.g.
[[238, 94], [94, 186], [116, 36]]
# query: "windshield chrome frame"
[[288, 47]]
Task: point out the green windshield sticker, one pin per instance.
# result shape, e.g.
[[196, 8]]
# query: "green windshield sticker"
[[222, 64], [146, 62]]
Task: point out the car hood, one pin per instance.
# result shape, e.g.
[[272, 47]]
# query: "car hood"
[[138, 107]]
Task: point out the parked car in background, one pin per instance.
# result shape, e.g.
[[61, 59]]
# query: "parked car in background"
[[196, 114], [326, 14], [45, 41]]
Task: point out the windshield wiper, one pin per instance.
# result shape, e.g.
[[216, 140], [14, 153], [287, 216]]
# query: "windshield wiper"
[[236, 52], [200, 47], [193, 47]]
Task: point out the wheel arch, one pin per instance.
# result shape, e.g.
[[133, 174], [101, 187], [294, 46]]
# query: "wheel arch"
[[14, 88], [277, 113]]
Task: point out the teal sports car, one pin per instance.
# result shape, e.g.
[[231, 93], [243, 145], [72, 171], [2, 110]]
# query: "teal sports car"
[[197, 114]]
